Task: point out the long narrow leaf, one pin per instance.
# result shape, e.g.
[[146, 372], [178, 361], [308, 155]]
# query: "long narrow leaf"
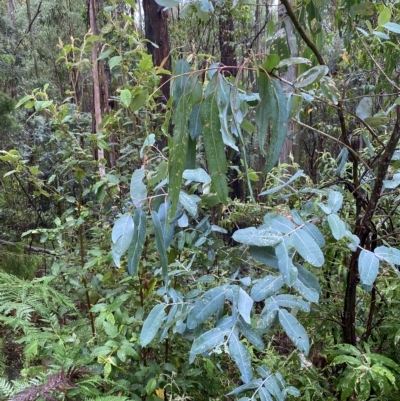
[[160, 245], [136, 246], [214, 146]]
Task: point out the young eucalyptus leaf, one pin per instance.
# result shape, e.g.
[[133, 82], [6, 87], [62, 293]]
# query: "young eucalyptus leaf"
[[195, 125], [152, 324], [258, 237], [306, 246], [292, 302], [241, 356], [189, 202], [121, 236], [272, 385], [279, 187], [266, 287], [308, 279], [286, 268], [160, 245], [368, 266], [139, 237], [335, 201], [265, 254], [314, 231], [279, 223], [223, 97], [309, 293], [207, 341], [245, 304], [311, 76], [390, 255], [295, 331], [245, 387], [138, 190], [209, 304], [271, 119], [250, 334], [338, 227]]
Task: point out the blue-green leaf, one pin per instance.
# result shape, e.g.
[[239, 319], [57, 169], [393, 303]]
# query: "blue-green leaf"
[[307, 247], [214, 146], [294, 330], [337, 226], [160, 245], [286, 268], [209, 304], [266, 320], [138, 190], [136, 246], [248, 386], [266, 287], [390, 255], [181, 75], [195, 125], [279, 187], [312, 75], [258, 237], [265, 254], [392, 27], [272, 385], [271, 120], [264, 394], [179, 150], [315, 233], [208, 340], [189, 202], [250, 334], [309, 293], [241, 356], [197, 175], [223, 96], [335, 201], [292, 302], [307, 278], [279, 223], [152, 324], [245, 303], [121, 236], [368, 266]]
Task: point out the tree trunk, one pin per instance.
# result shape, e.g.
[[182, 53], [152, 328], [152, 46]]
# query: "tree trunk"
[[96, 83], [33, 50], [156, 31], [10, 9], [226, 42]]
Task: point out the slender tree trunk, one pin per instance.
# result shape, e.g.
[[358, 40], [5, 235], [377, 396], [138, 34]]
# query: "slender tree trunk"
[[156, 30], [226, 42], [96, 83], [33, 50], [10, 9]]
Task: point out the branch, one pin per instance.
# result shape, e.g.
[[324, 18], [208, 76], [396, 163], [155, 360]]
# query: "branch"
[[28, 247], [28, 29], [301, 31]]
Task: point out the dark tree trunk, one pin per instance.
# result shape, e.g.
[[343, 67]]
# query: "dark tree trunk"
[[156, 31], [226, 43]]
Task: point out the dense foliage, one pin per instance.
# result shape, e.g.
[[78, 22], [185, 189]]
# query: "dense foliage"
[[226, 228]]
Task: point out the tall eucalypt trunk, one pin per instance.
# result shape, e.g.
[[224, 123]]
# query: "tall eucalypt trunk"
[[96, 84], [365, 208]]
